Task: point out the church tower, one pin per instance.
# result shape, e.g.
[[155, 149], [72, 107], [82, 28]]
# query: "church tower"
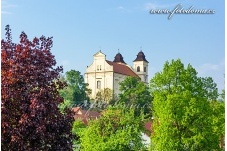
[[140, 65], [119, 59]]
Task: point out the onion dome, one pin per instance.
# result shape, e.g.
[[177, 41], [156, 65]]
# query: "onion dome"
[[118, 58], [141, 57]]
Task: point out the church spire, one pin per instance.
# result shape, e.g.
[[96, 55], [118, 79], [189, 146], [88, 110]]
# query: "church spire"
[[141, 57], [118, 58]]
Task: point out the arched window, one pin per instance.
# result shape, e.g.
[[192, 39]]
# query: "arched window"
[[98, 84], [144, 69], [138, 69]]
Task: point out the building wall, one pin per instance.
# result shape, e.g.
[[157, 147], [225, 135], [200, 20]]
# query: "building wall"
[[142, 74], [117, 79]]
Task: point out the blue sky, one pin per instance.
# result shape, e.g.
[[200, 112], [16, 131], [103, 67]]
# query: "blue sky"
[[81, 28]]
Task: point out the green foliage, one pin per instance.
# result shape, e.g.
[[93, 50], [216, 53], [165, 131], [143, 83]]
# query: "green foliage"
[[76, 92], [78, 127], [135, 93], [175, 78], [104, 95], [183, 115], [222, 96], [65, 105], [117, 129], [218, 119]]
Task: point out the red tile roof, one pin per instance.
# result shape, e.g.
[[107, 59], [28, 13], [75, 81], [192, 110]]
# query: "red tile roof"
[[85, 115], [122, 69], [148, 128], [75, 109]]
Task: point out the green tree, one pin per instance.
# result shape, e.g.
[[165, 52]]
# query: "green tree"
[[104, 95], [76, 92], [135, 93], [78, 127], [222, 95], [181, 108], [117, 129], [218, 120]]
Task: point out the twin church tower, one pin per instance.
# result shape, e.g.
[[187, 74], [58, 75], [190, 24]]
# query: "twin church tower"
[[103, 73]]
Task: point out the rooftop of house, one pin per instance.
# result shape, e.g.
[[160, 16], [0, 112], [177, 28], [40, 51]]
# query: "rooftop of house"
[[85, 115]]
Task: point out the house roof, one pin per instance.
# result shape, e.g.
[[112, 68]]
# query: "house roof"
[[148, 126], [75, 109], [122, 69], [85, 115]]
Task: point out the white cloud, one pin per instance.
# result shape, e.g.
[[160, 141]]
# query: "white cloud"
[[6, 7], [124, 9], [216, 71], [120, 7], [209, 68], [5, 13], [149, 6]]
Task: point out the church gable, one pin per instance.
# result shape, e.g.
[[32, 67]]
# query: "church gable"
[[99, 54]]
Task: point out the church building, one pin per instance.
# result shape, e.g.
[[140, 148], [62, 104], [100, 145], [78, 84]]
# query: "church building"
[[103, 73]]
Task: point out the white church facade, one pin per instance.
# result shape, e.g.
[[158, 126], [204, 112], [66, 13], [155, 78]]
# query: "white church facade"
[[103, 73]]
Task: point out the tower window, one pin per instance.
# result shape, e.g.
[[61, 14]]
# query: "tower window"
[[98, 84], [138, 69], [145, 69]]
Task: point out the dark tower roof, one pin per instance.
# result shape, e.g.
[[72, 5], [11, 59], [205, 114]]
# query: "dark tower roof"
[[140, 57], [118, 58]]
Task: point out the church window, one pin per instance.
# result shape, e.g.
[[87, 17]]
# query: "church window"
[[144, 69], [138, 69], [98, 84], [98, 67]]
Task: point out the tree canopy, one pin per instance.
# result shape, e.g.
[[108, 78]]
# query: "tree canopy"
[[104, 95], [183, 115], [29, 108], [135, 93], [116, 129], [76, 91]]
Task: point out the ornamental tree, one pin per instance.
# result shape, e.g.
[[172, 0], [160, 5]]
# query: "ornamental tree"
[[29, 91], [184, 118]]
